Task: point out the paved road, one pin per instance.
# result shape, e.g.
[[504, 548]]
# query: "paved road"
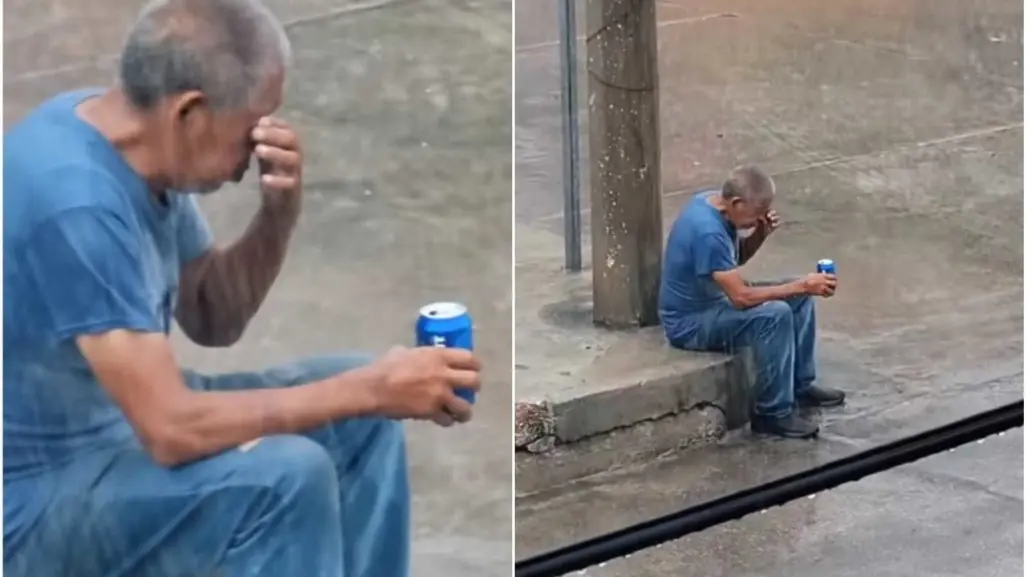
[[405, 111], [895, 130]]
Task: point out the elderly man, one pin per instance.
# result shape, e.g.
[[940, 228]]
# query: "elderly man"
[[706, 305], [116, 461]]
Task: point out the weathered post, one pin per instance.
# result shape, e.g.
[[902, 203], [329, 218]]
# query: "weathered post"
[[569, 104], [624, 137]]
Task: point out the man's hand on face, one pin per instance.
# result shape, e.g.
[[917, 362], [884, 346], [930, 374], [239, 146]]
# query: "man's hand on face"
[[281, 163], [769, 222]]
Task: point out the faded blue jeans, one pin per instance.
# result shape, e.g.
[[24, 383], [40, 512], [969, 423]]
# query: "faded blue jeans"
[[332, 503], [782, 336]]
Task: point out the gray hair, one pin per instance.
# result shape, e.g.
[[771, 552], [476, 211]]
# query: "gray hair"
[[750, 184], [223, 48]]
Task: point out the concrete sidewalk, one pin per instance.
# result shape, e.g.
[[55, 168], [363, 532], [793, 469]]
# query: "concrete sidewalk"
[[591, 399]]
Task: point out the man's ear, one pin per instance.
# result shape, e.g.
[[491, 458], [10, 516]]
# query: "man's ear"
[[191, 111]]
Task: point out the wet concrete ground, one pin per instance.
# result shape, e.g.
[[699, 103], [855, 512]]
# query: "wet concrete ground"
[[405, 114], [895, 131]]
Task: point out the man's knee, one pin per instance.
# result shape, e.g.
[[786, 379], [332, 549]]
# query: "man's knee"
[[293, 466], [283, 488], [803, 303], [774, 313], [771, 321], [373, 435], [390, 433]]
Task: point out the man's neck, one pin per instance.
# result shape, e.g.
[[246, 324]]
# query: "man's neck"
[[128, 131], [717, 202]]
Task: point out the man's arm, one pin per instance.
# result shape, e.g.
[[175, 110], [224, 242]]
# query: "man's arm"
[[713, 257], [747, 247], [221, 290], [87, 265], [178, 425], [744, 296]]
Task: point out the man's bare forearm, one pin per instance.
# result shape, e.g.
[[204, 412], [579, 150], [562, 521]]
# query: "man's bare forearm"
[[233, 282], [178, 424], [756, 295], [207, 423], [748, 247]]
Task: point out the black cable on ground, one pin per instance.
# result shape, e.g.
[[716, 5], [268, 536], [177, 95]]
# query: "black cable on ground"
[[676, 525]]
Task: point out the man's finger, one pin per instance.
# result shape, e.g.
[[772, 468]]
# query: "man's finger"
[[278, 181], [276, 136], [461, 359], [272, 121], [442, 419], [463, 379], [278, 157], [459, 409]]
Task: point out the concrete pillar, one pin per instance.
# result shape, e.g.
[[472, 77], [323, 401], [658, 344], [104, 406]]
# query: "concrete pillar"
[[624, 151]]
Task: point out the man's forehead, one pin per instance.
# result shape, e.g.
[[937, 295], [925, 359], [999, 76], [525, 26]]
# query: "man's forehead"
[[270, 94], [266, 100]]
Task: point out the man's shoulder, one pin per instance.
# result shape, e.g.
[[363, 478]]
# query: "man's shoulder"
[[51, 165], [34, 194], [697, 219]]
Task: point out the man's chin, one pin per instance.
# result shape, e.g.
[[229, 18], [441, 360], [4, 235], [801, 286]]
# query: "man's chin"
[[208, 188]]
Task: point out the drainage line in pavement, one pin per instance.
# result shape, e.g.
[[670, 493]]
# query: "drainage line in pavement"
[[676, 525]]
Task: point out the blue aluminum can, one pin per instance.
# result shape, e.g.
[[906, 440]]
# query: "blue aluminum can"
[[826, 266], [446, 324]]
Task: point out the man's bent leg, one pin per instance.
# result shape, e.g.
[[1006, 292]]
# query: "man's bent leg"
[[804, 318], [370, 460], [269, 510], [768, 330]]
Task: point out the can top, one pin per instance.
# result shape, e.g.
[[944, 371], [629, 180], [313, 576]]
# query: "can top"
[[443, 310], [826, 261]]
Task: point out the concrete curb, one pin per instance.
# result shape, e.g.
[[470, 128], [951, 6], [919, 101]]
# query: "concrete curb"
[[559, 442]]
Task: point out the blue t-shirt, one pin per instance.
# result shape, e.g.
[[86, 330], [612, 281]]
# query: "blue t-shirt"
[[87, 249], [701, 242]]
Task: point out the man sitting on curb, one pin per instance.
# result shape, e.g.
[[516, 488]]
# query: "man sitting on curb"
[[116, 461], [706, 305]]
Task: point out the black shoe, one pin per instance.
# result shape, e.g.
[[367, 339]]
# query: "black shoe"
[[820, 397], [791, 426]]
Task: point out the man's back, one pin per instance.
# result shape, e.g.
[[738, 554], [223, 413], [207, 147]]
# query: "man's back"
[[68, 192], [700, 242]]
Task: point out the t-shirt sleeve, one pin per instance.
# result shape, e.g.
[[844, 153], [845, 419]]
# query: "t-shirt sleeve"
[[713, 253], [86, 267], [194, 237]]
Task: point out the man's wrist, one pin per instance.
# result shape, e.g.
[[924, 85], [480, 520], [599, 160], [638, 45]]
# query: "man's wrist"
[[275, 221], [798, 287], [362, 387]]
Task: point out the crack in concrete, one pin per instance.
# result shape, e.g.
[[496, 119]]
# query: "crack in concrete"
[[685, 410], [662, 24], [829, 162], [917, 471], [550, 441], [108, 59], [952, 390]]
